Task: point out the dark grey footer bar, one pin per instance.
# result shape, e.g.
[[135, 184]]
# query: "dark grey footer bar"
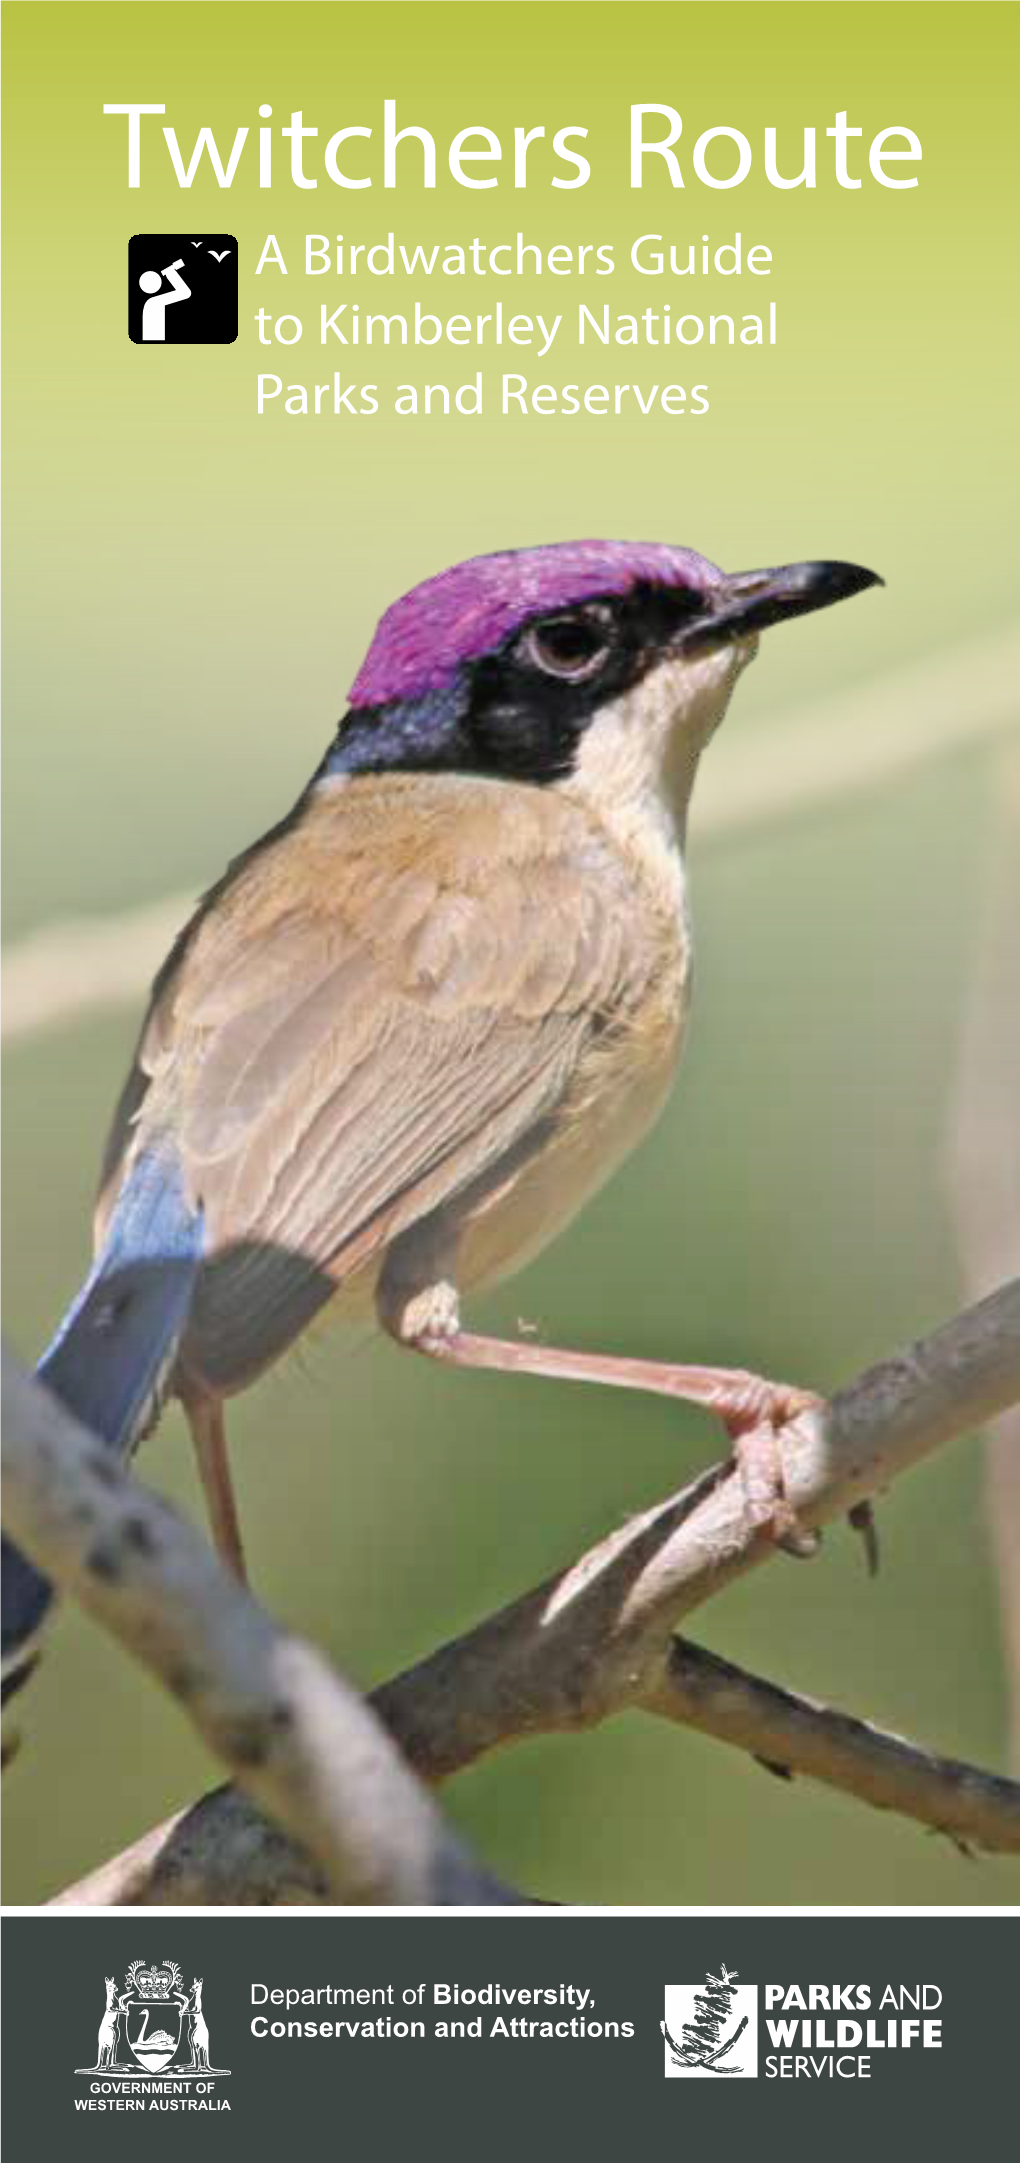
[[272, 2034]]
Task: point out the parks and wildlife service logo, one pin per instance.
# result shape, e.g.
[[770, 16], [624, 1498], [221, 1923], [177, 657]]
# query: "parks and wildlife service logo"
[[152, 2049], [711, 2028]]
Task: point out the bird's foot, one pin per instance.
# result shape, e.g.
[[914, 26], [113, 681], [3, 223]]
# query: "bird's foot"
[[428, 1320], [754, 1414]]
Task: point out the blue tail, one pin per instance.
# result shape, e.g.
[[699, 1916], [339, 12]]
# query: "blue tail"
[[111, 1354]]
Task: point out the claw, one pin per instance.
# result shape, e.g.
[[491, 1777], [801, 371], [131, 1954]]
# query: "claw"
[[862, 1518]]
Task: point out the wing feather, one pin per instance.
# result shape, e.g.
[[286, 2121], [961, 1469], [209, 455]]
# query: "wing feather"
[[339, 1052]]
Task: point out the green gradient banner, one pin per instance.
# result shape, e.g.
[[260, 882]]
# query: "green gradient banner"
[[163, 540]]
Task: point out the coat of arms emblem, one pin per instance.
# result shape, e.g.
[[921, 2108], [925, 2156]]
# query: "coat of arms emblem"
[[157, 2021], [154, 1994]]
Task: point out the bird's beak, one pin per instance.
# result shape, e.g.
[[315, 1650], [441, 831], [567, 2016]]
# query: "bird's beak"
[[751, 600]]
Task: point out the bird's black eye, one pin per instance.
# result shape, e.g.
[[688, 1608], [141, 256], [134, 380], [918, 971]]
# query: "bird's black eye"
[[573, 647]]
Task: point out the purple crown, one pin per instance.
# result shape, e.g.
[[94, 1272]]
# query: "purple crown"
[[469, 610]]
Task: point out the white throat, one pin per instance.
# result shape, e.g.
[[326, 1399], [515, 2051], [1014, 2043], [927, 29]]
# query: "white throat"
[[638, 758]]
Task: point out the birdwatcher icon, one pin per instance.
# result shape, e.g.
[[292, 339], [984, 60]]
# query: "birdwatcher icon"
[[182, 289], [158, 301]]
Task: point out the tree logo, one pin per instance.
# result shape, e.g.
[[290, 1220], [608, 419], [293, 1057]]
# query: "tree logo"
[[711, 2027], [154, 2026]]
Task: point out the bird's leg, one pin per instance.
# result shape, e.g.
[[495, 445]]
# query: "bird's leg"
[[209, 1437], [752, 1409]]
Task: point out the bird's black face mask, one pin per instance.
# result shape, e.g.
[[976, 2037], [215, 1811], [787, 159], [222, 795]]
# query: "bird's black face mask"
[[519, 714]]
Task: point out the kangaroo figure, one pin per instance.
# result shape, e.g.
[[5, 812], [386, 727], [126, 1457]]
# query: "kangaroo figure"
[[199, 2031], [108, 2027]]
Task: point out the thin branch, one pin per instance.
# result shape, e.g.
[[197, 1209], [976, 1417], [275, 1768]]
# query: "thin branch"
[[599, 1638], [300, 1741], [835, 748], [792, 1734], [863, 738], [86, 964], [984, 1167]]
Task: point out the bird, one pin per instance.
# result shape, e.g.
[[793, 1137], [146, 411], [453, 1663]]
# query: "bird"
[[422, 1019]]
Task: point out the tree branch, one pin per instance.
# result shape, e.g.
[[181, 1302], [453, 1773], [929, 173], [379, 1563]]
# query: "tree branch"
[[222, 1853], [983, 1167], [790, 1735], [599, 1639], [300, 1741]]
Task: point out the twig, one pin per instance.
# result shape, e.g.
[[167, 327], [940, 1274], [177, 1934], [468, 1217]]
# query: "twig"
[[953, 700], [599, 1638], [81, 965], [984, 1167], [298, 1739], [792, 1734], [842, 745]]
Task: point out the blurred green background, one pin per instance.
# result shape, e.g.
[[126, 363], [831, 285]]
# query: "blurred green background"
[[189, 593]]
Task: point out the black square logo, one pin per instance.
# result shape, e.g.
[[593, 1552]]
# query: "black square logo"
[[182, 288]]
